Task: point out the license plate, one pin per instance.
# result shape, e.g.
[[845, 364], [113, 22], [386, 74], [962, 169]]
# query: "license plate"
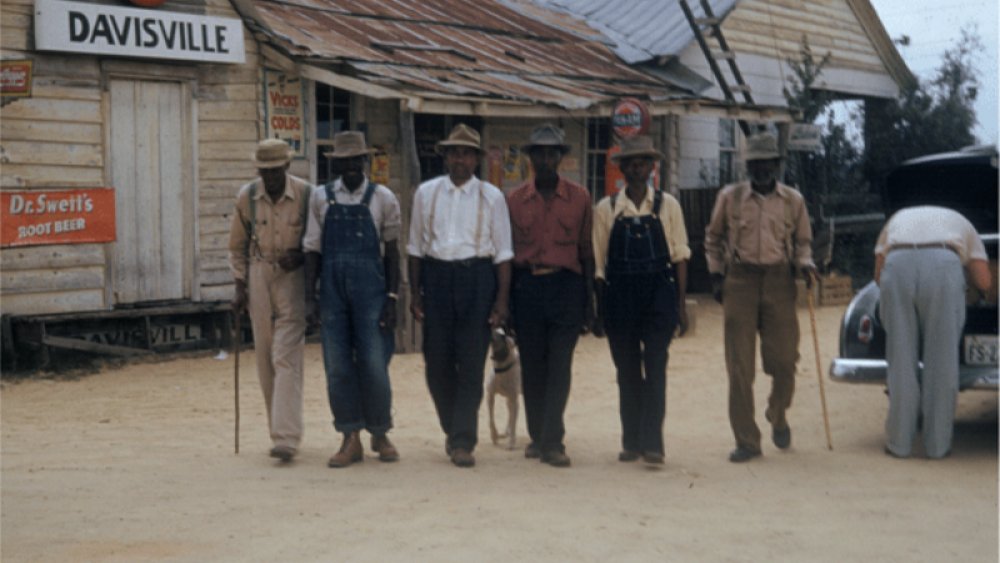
[[980, 349]]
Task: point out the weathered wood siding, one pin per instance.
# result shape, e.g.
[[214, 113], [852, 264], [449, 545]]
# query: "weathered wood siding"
[[57, 138]]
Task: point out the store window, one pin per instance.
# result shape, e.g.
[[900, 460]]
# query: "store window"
[[727, 151], [598, 142], [333, 115]]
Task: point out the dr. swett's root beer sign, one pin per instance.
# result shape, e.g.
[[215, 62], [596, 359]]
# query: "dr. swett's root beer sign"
[[33, 217]]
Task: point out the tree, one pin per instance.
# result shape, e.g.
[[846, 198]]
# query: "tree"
[[927, 118]]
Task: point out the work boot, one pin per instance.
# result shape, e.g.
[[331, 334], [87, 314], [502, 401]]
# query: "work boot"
[[384, 448], [350, 451]]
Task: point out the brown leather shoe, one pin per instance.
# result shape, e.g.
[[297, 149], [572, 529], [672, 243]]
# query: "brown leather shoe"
[[628, 455], [462, 457], [350, 451], [284, 453], [386, 451]]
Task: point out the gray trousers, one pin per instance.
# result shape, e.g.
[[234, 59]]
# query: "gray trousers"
[[923, 311]]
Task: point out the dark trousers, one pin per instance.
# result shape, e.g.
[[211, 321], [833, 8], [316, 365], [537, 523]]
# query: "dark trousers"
[[458, 297], [640, 318], [548, 314]]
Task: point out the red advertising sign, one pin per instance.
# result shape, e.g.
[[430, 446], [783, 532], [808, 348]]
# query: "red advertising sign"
[[34, 217], [15, 78], [629, 118]]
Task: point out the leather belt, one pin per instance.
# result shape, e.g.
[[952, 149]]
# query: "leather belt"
[[922, 245]]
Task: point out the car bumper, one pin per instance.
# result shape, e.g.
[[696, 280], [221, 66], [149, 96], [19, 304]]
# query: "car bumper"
[[873, 371]]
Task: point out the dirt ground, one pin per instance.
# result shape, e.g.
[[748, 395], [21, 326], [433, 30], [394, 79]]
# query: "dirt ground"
[[137, 464]]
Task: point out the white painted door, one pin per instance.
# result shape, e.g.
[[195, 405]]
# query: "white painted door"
[[148, 170]]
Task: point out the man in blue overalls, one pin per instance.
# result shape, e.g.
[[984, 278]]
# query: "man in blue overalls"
[[641, 251], [350, 220]]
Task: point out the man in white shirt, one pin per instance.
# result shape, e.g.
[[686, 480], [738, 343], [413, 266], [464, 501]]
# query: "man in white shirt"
[[919, 261], [460, 260]]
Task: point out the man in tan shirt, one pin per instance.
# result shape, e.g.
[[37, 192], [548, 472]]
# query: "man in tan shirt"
[[757, 239], [265, 254]]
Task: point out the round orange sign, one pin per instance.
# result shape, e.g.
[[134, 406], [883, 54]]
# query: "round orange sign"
[[629, 118]]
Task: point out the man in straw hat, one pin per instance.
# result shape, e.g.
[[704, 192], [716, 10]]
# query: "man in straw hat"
[[460, 252], [758, 238], [552, 288], [641, 252], [350, 221], [265, 254]]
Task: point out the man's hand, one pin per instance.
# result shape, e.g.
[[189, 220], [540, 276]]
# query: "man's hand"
[[717, 282], [387, 320], [292, 259], [809, 274], [312, 312], [682, 319], [417, 306], [498, 315], [240, 297]]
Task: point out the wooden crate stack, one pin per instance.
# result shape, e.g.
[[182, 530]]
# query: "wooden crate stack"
[[835, 289]]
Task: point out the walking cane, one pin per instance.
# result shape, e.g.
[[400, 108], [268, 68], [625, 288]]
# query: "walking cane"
[[819, 370], [236, 374]]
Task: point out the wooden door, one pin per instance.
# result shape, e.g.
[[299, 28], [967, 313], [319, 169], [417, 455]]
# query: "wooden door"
[[149, 162]]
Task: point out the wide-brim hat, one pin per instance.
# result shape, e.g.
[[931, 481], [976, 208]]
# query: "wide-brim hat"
[[762, 147], [348, 144], [547, 135], [271, 153], [640, 146], [461, 136]]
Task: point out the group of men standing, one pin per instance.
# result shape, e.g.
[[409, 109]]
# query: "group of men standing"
[[542, 253]]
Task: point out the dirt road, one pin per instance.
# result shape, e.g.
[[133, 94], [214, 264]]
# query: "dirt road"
[[137, 464]]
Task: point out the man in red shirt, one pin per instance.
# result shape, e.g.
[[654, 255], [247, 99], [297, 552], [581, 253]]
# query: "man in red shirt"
[[552, 295]]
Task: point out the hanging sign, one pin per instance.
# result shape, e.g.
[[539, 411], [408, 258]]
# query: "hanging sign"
[[630, 117], [86, 27], [34, 217], [380, 166], [284, 110]]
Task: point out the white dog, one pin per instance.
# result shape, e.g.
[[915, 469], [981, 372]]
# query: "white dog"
[[504, 378]]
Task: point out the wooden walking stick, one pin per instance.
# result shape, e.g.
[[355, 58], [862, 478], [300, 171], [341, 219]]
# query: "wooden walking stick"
[[819, 370], [237, 314]]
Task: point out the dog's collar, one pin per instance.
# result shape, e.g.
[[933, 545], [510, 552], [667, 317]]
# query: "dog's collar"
[[503, 368]]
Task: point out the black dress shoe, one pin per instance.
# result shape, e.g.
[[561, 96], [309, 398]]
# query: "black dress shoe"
[[462, 457], [532, 451], [741, 454], [556, 459], [652, 458], [782, 437], [628, 455], [284, 453]]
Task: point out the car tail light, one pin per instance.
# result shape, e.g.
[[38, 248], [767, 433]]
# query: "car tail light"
[[866, 328]]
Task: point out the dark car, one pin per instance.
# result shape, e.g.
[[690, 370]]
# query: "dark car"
[[966, 181]]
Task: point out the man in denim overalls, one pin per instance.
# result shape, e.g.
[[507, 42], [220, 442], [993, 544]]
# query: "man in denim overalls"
[[349, 220], [641, 252]]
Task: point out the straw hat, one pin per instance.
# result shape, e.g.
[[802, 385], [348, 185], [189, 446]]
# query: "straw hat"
[[547, 135], [762, 147], [638, 146], [461, 136], [271, 153], [348, 144]]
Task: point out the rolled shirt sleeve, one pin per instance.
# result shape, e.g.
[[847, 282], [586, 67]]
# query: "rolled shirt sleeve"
[[602, 231], [503, 246], [313, 239], [415, 244]]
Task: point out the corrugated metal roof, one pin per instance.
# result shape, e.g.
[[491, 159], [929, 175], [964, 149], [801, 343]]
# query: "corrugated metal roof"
[[482, 48], [640, 29]]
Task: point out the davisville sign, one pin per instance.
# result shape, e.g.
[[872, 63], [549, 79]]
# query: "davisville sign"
[[131, 32]]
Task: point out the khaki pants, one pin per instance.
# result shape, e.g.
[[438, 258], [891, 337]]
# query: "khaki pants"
[[759, 299], [277, 312]]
